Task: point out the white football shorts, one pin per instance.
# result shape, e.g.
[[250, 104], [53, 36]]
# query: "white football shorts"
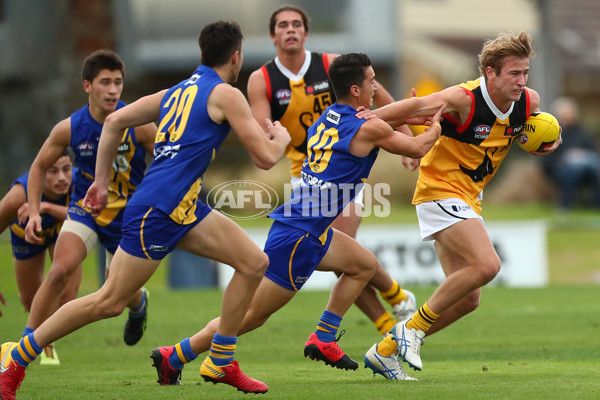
[[435, 216]]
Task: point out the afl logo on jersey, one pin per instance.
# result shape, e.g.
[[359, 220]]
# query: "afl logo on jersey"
[[85, 148], [283, 96], [482, 131]]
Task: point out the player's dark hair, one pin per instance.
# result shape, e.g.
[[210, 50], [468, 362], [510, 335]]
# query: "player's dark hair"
[[495, 51], [99, 60], [288, 7], [218, 41], [65, 152], [347, 70]]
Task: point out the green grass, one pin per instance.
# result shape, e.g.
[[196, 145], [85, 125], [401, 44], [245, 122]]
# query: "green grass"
[[519, 344]]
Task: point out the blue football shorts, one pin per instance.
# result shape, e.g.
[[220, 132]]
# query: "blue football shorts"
[[293, 255], [109, 235], [23, 250], [151, 234]]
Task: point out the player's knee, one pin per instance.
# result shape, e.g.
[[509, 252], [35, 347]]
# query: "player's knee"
[[255, 267], [369, 266], [489, 270], [363, 267], [59, 275]]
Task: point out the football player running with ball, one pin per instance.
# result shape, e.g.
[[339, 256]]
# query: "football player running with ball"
[[480, 124]]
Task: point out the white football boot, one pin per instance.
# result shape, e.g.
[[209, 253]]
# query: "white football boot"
[[388, 367]]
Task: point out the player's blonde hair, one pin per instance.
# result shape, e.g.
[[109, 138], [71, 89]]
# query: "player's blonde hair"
[[505, 45]]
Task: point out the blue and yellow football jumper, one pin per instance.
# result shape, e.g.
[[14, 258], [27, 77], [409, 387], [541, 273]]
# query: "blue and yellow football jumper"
[[165, 205], [128, 169], [331, 178]]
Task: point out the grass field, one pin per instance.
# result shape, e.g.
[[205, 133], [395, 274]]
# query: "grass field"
[[520, 343]]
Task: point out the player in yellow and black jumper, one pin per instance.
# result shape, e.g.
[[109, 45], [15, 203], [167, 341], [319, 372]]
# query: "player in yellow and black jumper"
[[482, 120], [294, 88]]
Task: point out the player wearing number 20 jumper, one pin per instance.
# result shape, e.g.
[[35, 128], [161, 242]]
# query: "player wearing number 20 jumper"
[[195, 116], [183, 151]]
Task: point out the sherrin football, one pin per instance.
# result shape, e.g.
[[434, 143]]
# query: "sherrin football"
[[539, 130]]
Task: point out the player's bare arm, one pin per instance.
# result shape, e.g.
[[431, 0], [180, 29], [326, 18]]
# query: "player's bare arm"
[[10, 204], [457, 102], [56, 210], [377, 133], [52, 149], [228, 103], [257, 96]]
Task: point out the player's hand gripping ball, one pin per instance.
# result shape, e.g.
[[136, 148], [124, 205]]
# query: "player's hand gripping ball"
[[539, 130]]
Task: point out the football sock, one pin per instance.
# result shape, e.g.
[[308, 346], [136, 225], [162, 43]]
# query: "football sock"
[[394, 295], [182, 354], [222, 349], [27, 331], [26, 351], [384, 323], [328, 326], [387, 346], [422, 319], [140, 310]]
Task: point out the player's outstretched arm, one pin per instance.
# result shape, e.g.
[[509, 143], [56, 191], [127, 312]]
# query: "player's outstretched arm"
[[376, 133], [228, 103], [396, 114]]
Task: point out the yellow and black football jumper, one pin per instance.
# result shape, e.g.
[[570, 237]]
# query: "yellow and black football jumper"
[[466, 156], [297, 101]]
